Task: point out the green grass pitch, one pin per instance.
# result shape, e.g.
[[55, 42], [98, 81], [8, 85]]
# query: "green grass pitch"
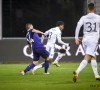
[[60, 78]]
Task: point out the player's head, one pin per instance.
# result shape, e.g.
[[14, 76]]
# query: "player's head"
[[29, 26], [91, 7], [60, 24]]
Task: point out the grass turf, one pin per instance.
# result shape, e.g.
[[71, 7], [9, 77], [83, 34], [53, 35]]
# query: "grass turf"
[[60, 78]]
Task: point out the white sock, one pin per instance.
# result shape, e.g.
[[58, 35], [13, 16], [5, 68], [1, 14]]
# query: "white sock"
[[82, 66], [38, 66], [94, 67], [58, 58]]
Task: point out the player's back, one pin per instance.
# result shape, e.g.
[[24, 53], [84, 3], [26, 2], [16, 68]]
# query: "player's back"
[[34, 39], [52, 35], [91, 26]]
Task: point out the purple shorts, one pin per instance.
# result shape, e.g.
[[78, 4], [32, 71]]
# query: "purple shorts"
[[40, 52]]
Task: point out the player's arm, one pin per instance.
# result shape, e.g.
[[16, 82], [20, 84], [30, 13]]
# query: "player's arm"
[[29, 45], [60, 41], [79, 24], [99, 28], [46, 33], [37, 31]]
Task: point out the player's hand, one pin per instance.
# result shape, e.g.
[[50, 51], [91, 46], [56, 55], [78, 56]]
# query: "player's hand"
[[44, 34], [29, 46], [77, 41]]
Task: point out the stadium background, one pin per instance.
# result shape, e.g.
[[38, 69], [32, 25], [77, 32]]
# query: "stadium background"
[[43, 14]]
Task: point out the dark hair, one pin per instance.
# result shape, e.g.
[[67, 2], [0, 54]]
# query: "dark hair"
[[91, 6], [27, 25], [59, 23]]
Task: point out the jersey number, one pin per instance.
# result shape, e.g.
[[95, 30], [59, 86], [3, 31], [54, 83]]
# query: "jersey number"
[[50, 34], [91, 27]]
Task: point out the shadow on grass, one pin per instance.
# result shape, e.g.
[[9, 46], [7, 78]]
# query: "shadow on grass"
[[66, 82]]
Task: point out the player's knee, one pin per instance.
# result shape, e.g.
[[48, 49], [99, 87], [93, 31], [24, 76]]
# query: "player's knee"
[[35, 62], [88, 57], [49, 59], [93, 58]]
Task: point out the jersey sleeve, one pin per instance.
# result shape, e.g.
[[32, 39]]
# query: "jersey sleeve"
[[42, 37], [99, 28], [60, 41], [79, 24]]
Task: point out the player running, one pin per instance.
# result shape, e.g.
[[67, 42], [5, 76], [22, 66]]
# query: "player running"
[[54, 34], [37, 48], [91, 31]]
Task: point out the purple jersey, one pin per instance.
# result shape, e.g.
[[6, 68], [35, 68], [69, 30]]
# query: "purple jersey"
[[34, 39], [37, 46]]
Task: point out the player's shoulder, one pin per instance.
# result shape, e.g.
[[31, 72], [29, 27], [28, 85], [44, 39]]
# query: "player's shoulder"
[[29, 31], [54, 29], [51, 29], [93, 15], [98, 16], [48, 30], [83, 17]]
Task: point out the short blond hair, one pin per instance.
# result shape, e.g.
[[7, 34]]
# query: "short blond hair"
[[27, 25]]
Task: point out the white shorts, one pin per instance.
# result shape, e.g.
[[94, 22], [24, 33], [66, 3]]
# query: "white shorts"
[[90, 48], [51, 49]]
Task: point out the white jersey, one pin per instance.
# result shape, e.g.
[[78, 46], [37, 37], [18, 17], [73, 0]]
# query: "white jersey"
[[91, 25], [54, 34]]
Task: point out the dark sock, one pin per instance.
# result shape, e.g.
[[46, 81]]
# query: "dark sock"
[[29, 67], [43, 65], [46, 66]]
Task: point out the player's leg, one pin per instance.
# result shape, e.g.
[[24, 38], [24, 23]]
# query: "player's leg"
[[90, 55], [29, 67], [94, 63], [50, 49], [32, 65], [95, 69], [83, 63], [48, 58], [41, 65], [43, 53], [61, 52], [60, 55], [57, 48], [46, 65], [51, 55], [81, 66]]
